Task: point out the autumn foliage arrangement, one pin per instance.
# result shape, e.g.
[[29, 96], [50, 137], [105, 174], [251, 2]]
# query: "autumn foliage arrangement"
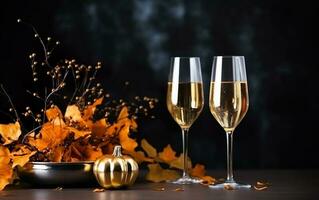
[[84, 128]]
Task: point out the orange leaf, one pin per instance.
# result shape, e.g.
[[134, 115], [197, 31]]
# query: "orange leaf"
[[6, 171], [179, 163], [99, 127], [198, 171], [73, 113], [89, 111], [123, 114], [50, 136], [57, 154], [78, 133], [53, 113], [126, 142], [208, 180], [10, 132], [139, 156], [149, 149], [91, 154], [158, 174], [168, 154], [21, 156]]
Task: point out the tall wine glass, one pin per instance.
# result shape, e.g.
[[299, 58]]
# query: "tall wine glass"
[[228, 102], [185, 101]]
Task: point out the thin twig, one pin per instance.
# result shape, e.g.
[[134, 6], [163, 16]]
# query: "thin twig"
[[11, 103]]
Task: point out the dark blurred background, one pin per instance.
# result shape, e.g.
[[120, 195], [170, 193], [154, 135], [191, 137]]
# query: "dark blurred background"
[[134, 39]]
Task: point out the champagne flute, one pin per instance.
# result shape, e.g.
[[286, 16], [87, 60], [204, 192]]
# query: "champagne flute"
[[228, 102], [185, 101]]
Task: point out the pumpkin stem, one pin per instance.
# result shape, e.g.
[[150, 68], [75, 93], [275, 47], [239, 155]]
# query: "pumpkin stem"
[[117, 151]]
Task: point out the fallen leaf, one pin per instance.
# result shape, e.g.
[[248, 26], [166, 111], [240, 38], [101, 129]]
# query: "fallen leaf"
[[159, 189], [59, 188], [178, 190], [260, 188], [228, 187], [158, 174], [208, 180], [99, 190], [168, 154], [198, 171], [149, 149], [10, 132]]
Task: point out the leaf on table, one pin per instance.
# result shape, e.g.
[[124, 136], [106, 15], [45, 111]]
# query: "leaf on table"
[[99, 190], [149, 149], [198, 171], [260, 185], [158, 174], [179, 163], [208, 180], [168, 154], [10, 132], [228, 187]]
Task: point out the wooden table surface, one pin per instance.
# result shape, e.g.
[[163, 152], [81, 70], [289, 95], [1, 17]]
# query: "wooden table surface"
[[286, 184]]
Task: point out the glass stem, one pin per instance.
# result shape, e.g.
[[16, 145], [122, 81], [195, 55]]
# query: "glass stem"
[[229, 138], [185, 151]]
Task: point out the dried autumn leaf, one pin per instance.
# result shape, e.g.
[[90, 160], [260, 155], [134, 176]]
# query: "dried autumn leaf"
[[126, 142], [53, 113], [99, 128], [57, 154], [158, 174], [179, 162], [168, 154], [89, 111], [149, 149], [50, 136], [123, 114], [73, 113], [99, 190], [208, 180], [178, 190], [10, 132], [260, 188], [198, 171], [5, 167], [228, 187], [21, 156], [78, 133], [139, 156], [91, 154]]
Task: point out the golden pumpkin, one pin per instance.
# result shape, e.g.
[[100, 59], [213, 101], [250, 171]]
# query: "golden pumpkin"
[[115, 171]]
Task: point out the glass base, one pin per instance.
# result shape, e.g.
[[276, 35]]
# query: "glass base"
[[230, 185], [185, 180]]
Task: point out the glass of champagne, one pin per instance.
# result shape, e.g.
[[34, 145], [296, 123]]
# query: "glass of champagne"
[[185, 101], [228, 102]]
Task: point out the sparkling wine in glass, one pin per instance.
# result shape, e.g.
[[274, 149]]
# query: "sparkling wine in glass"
[[228, 102], [185, 101]]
